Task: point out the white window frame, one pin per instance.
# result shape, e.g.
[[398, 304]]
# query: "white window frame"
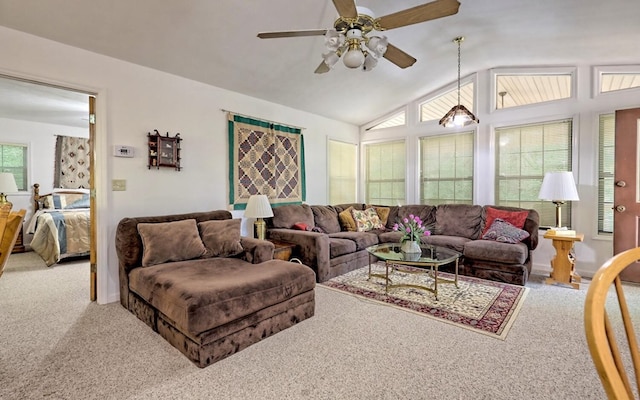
[[364, 170], [26, 166], [598, 71], [368, 127], [495, 72]]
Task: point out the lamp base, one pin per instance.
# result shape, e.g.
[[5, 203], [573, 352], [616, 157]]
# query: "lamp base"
[[4, 201], [261, 229], [558, 204]]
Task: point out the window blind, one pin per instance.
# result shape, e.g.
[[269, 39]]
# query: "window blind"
[[342, 172], [13, 158], [446, 169], [385, 165], [524, 153], [606, 166]]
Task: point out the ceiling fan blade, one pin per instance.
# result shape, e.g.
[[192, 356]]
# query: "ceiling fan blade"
[[322, 68], [434, 10], [346, 8], [275, 35], [398, 57]]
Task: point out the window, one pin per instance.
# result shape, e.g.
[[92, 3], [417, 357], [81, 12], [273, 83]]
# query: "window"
[[611, 82], [524, 153], [518, 90], [385, 173], [606, 152], [13, 158], [446, 169], [342, 172], [437, 107], [397, 119]]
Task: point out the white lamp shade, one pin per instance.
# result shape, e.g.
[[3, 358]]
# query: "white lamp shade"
[[353, 58], [7, 183], [258, 207], [558, 186]]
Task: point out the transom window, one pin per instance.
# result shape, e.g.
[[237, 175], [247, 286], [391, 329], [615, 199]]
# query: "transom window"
[[397, 119], [13, 158], [524, 154], [611, 82], [513, 90], [437, 107], [385, 165], [446, 169]]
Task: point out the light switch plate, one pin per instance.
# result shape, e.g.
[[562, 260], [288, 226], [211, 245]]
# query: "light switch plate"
[[118, 185]]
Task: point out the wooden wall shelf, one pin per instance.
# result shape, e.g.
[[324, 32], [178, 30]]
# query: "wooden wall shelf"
[[164, 151]]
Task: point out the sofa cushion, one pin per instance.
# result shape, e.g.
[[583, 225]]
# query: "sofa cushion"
[[170, 241], [426, 213], [456, 243], [459, 220], [502, 231], [488, 250], [366, 220], [326, 218], [361, 239], [347, 223], [383, 213], [515, 218], [339, 247], [288, 215], [389, 237], [221, 238], [199, 295]]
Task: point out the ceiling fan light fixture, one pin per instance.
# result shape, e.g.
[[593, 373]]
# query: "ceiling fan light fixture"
[[370, 62], [459, 115], [333, 39], [354, 57], [330, 58], [378, 45]]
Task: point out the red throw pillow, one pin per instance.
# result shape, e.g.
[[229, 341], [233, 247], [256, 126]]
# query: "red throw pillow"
[[515, 218], [301, 226]]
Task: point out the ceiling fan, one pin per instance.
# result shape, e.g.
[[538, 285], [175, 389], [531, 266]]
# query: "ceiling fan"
[[350, 37]]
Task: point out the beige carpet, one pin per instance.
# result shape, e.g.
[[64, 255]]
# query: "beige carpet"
[[479, 305], [55, 344]]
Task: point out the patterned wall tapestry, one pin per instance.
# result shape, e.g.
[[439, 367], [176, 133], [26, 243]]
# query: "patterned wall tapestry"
[[265, 158], [71, 170]]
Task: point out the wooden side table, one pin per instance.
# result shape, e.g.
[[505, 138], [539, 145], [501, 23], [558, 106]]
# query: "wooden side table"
[[284, 250], [563, 264]]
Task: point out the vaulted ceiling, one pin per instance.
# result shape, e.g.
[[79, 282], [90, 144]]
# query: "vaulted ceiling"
[[215, 42]]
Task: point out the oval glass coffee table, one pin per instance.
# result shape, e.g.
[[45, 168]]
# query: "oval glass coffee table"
[[426, 263]]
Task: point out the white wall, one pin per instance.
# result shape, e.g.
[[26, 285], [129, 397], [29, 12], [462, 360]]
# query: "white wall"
[[133, 100], [40, 139], [584, 109]]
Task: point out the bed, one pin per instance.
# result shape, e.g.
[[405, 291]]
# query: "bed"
[[60, 224]]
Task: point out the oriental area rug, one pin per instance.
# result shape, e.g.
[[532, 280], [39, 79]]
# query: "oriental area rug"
[[479, 305]]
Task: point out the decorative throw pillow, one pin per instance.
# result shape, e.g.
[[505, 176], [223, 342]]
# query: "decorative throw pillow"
[[221, 237], [502, 231], [170, 241], [301, 226], [366, 220], [383, 213], [346, 220], [515, 218]]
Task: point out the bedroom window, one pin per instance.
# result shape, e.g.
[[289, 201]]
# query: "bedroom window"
[[446, 169], [385, 165], [13, 158], [606, 152], [342, 172], [524, 153]]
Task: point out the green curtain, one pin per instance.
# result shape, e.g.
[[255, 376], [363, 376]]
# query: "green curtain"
[[265, 158]]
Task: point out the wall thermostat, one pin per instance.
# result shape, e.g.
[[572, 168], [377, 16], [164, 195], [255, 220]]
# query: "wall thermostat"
[[123, 151]]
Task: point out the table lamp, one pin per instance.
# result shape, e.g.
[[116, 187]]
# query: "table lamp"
[[7, 185], [558, 187], [258, 207]]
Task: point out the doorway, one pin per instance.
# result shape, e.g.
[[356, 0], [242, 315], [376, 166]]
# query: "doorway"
[[33, 114]]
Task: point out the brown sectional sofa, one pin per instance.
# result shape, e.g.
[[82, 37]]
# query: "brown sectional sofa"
[[209, 307], [331, 251]]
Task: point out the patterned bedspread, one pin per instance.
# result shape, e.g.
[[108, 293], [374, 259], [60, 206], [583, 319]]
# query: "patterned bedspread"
[[60, 234]]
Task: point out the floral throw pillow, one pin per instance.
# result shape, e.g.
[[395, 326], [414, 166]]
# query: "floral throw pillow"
[[502, 231], [366, 220]]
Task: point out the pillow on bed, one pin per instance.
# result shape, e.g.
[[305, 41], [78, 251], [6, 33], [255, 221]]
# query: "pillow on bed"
[[221, 237], [65, 201], [170, 241]]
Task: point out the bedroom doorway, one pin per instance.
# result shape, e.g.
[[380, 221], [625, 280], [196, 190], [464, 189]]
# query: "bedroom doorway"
[[34, 113]]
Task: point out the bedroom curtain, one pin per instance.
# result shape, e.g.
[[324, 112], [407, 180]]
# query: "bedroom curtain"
[[265, 158], [71, 170]]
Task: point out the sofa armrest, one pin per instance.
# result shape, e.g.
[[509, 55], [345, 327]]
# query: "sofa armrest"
[[256, 251], [313, 248]]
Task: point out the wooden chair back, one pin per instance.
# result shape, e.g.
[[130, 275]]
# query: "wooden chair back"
[[603, 344], [10, 223]]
